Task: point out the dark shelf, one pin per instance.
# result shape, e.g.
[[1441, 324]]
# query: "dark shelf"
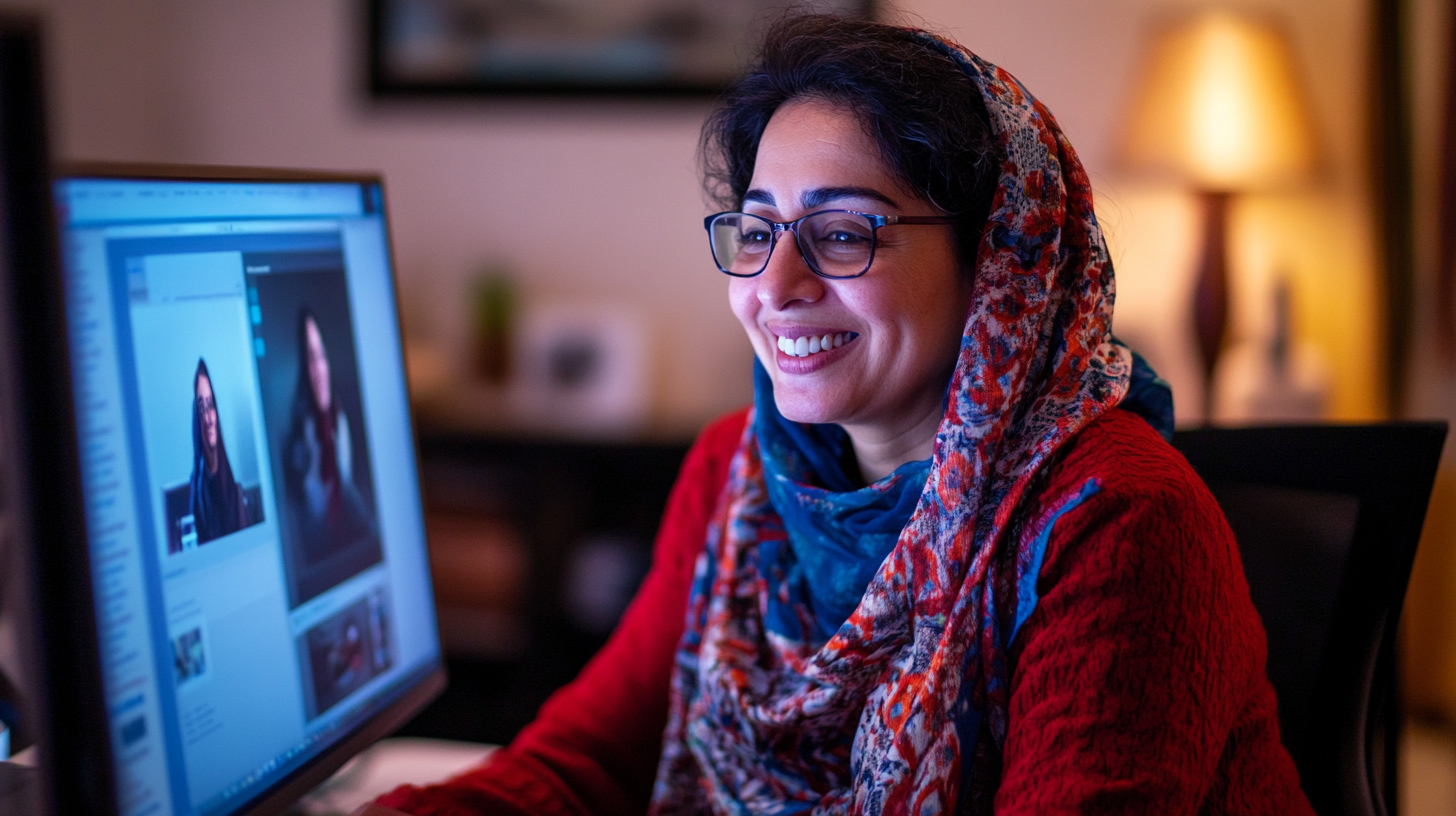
[[560, 495]]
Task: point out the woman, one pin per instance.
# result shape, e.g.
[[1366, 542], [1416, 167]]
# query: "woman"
[[216, 502], [938, 568], [329, 513]]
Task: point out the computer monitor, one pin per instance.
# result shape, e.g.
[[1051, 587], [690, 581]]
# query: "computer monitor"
[[261, 605]]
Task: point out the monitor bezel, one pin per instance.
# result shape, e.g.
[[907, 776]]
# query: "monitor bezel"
[[419, 688], [41, 463]]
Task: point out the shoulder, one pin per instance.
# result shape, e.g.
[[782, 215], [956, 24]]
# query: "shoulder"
[[1150, 519], [1150, 548], [1130, 462]]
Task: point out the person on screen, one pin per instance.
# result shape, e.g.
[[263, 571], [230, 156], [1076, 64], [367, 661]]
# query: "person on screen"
[[217, 503], [329, 512]]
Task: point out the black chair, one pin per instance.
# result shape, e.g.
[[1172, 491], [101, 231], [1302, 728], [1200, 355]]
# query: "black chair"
[[1327, 520]]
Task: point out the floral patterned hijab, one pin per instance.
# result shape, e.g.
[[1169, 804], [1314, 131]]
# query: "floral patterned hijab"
[[903, 708]]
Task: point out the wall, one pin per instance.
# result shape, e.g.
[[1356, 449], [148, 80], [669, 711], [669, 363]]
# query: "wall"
[[527, 184]]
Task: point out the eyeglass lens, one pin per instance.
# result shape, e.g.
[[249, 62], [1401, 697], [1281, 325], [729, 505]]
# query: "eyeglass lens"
[[833, 243]]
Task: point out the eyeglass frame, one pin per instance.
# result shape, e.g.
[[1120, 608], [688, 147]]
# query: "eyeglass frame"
[[876, 221]]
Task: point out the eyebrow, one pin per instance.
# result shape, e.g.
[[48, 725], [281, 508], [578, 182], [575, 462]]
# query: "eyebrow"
[[822, 195]]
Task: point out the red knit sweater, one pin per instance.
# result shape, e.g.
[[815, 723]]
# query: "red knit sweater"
[[1138, 683]]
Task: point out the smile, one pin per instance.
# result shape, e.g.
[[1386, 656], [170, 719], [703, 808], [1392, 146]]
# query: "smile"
[[805, 346]]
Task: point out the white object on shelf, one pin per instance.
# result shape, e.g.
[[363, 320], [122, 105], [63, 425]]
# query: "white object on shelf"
[[581, 367], [1275, 378]]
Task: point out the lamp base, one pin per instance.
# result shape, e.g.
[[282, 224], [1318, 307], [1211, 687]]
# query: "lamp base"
[[1210, 292]]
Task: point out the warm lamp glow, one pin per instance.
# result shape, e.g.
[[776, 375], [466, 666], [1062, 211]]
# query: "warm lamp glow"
[[1218, 106]]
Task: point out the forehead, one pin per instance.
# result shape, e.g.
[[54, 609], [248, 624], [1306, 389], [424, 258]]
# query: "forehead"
[[813, 143]]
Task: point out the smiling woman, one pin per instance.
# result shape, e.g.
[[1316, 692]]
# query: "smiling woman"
[[215, 501], [885, 385], [945, 563]]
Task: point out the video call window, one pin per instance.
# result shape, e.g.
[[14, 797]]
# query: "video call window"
[[303, 337], [246, 359], [191, 343], [248, 397]]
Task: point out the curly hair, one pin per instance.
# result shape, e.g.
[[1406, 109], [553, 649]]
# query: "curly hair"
[[921, 109]]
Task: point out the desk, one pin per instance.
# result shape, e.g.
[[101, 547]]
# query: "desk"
[[386, 766]]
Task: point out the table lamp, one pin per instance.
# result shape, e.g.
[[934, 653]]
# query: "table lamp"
[[1218, 108]]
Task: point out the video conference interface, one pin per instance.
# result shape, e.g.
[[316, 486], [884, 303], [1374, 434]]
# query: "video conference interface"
[[256, 531]]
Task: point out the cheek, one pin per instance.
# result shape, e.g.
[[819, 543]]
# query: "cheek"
[[743, 300]]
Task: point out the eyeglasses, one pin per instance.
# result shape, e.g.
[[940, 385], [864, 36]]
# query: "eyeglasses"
[[833, 243]]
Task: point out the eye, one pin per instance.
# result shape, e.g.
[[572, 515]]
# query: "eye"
[[754, 240], [843, 236]]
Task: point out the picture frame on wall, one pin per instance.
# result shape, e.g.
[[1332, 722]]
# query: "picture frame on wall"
[[568, 47]]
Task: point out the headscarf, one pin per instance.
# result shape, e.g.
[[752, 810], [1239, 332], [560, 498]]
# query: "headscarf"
[[904, 708], [216, 501]]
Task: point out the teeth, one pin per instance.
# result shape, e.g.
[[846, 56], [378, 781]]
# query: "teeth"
[[805, 346]]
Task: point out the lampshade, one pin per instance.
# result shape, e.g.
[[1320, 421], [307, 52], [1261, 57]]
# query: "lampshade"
[[1218, 105]]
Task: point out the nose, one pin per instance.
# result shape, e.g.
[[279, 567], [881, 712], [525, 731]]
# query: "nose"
[[788, 279]]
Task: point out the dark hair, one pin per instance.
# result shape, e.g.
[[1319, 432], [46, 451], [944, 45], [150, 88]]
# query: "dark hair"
[[198, 445], [922, 110], [201, 373]]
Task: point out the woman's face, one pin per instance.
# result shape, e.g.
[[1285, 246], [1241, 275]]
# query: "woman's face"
[[318, 365], [905, 315], [207, 413]]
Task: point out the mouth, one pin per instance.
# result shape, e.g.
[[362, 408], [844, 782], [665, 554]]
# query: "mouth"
[[810, 345]]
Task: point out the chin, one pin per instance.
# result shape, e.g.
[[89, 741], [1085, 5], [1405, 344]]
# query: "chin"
[[807, 408]]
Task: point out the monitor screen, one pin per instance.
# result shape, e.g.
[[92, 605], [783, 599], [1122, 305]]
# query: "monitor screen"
[[253, 510]]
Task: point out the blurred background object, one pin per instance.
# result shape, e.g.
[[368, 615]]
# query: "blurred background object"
[[641, 47], [1219, 108], [495, 306], [1274, 378]]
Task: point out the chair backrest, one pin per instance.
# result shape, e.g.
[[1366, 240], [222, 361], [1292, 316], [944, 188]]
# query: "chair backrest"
[[1327, 520]]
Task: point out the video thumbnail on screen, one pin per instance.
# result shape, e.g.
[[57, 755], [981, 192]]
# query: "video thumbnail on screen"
[[198, 398], [345, 651], [309, 375]]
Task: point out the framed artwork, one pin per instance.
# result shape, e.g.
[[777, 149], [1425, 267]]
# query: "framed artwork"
[[568, 47]]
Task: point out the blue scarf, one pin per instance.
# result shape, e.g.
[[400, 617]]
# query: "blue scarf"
[[837, 533]]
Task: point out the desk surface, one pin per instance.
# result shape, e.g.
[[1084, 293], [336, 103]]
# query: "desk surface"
[[386, 766]]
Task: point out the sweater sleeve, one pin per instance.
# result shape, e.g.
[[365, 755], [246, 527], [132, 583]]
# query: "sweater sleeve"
[[1141, 670], [594, 746]]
